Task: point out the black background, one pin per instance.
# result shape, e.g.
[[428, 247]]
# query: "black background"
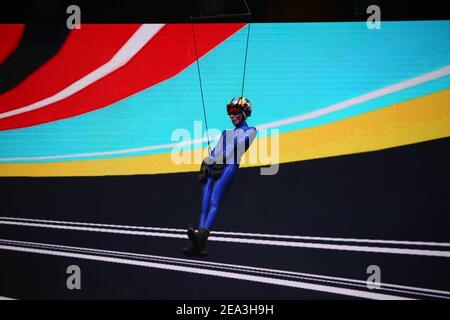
[[140, 11]]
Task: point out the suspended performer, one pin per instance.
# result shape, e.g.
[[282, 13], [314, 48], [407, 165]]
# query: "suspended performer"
[[217, 172]]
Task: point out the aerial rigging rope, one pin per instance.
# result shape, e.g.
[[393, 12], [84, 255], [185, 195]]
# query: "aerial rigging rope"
[[201, 88], [246, 49], [248, 13]]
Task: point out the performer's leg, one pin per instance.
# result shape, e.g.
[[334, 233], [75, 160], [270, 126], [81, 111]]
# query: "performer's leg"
[[207, 188], [218, 190], [213, 191], [193, 235], [217, 193]]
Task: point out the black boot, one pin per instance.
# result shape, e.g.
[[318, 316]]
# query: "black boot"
[[192, 250], [202, 237]]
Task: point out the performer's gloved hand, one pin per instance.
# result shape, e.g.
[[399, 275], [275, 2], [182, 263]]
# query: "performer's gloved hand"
[[216, 171], [205, 169]]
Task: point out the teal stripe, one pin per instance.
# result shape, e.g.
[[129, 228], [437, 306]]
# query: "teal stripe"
[[292, 69]]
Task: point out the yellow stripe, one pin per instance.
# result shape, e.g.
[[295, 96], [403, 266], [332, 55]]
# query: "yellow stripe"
[[422, 119], [412, 121]]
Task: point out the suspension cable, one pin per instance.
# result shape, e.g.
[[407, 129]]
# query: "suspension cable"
[[200, 77], [245, 59], [201, 87], [246, 46]]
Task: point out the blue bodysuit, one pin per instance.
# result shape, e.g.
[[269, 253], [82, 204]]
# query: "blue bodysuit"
[[229, 150]]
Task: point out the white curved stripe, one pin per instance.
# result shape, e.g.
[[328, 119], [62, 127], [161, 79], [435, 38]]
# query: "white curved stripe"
[[6, 298], [136, 42], [363, 98], [296, 244], [217, 273], [105, 230], [403, 242], [226, 266], [315, 114], [228, 233], [105, 153], [93, 224]]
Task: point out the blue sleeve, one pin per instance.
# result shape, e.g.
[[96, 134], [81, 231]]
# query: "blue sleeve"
[[218, 152]]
